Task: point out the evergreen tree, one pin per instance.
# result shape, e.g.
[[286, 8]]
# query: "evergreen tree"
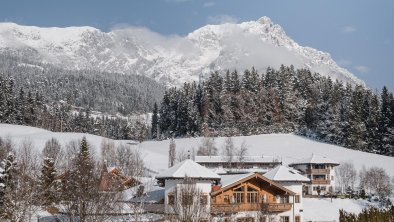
[[48, 183], [386, 122], [9, 183], [80, 187], [155, 122], [357, 129]]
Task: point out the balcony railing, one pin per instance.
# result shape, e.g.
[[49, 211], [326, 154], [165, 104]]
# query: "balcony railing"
[[277, 207], [232, 208], [321, 182], [318, 171]]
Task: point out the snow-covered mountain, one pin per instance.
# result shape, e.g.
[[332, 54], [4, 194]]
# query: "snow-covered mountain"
[[171, 60]]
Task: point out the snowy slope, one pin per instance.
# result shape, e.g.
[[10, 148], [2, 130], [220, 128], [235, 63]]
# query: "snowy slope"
[[171, 60], [39, 137], [286, 147], [325, 210]]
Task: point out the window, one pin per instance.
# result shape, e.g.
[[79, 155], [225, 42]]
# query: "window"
[[245, 219], [297, 219], [252, 195], [171, 199], [284, 199], [297, 198], [204, 199], [284, 219], [226, 199], [332, 177], [187, 199], [238, 197]]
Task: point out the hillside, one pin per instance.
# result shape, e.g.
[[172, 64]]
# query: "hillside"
[[171, 60], [287, 147]]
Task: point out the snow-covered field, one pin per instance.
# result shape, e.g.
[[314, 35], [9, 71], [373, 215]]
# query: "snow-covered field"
[[325, 210], [286, 147]]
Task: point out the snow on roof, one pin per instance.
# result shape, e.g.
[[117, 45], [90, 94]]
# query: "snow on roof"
[[153, 195], [219, 170], [282, 173], [316, 159], [188, 168], [227, 180], [248, 159]]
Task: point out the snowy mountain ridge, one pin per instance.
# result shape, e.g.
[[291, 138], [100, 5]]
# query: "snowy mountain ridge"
[[170, 60]]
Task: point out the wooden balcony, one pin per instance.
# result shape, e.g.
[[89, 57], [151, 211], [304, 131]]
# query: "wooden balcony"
[[277, 207], [321, 182], [318, 171], [232, 208]]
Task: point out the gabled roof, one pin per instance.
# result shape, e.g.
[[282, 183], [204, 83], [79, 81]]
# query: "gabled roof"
[[190, 169], [282, 173], [315, 159], [224, 159], [229, 181]]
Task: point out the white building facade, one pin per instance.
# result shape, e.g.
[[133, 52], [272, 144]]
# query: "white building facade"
[[321, 172], [187, 183], [292, 180]]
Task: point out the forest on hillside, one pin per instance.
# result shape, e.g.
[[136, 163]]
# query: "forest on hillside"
[[279, 101], [100, 91]]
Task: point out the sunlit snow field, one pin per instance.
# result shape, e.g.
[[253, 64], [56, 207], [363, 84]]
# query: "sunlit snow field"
[[286, 147]]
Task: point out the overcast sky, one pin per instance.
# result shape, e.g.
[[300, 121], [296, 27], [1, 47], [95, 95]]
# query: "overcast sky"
[[359, 34]]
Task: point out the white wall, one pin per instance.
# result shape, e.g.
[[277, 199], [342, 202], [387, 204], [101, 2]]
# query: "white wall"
[[171, 184]]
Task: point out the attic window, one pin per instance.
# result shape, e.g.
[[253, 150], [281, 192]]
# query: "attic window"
[[291, 172], [239, 189], [251, 189]]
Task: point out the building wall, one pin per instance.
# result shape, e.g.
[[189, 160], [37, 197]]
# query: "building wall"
[[171, 186], [312, 187], [247, 210], [298, 208]]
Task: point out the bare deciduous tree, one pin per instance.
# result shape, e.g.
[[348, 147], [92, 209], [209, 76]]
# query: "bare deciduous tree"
[[6, 146], [54, 151], [346, 175], [129, 160], [207, 147], [171, 153], [108, 151], [241, 154], [188, 203], [20, 188], [229, 151], [376, 181], [182, 155]]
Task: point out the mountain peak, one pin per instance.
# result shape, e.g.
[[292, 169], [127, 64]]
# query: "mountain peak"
[[171, 60], [265, 20]]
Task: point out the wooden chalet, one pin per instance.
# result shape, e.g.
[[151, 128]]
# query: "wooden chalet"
[[250, 192]]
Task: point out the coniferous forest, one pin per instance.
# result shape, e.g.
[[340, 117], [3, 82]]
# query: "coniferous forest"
[[368, 215], [280, 101], [225, 104], [43, 96]]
